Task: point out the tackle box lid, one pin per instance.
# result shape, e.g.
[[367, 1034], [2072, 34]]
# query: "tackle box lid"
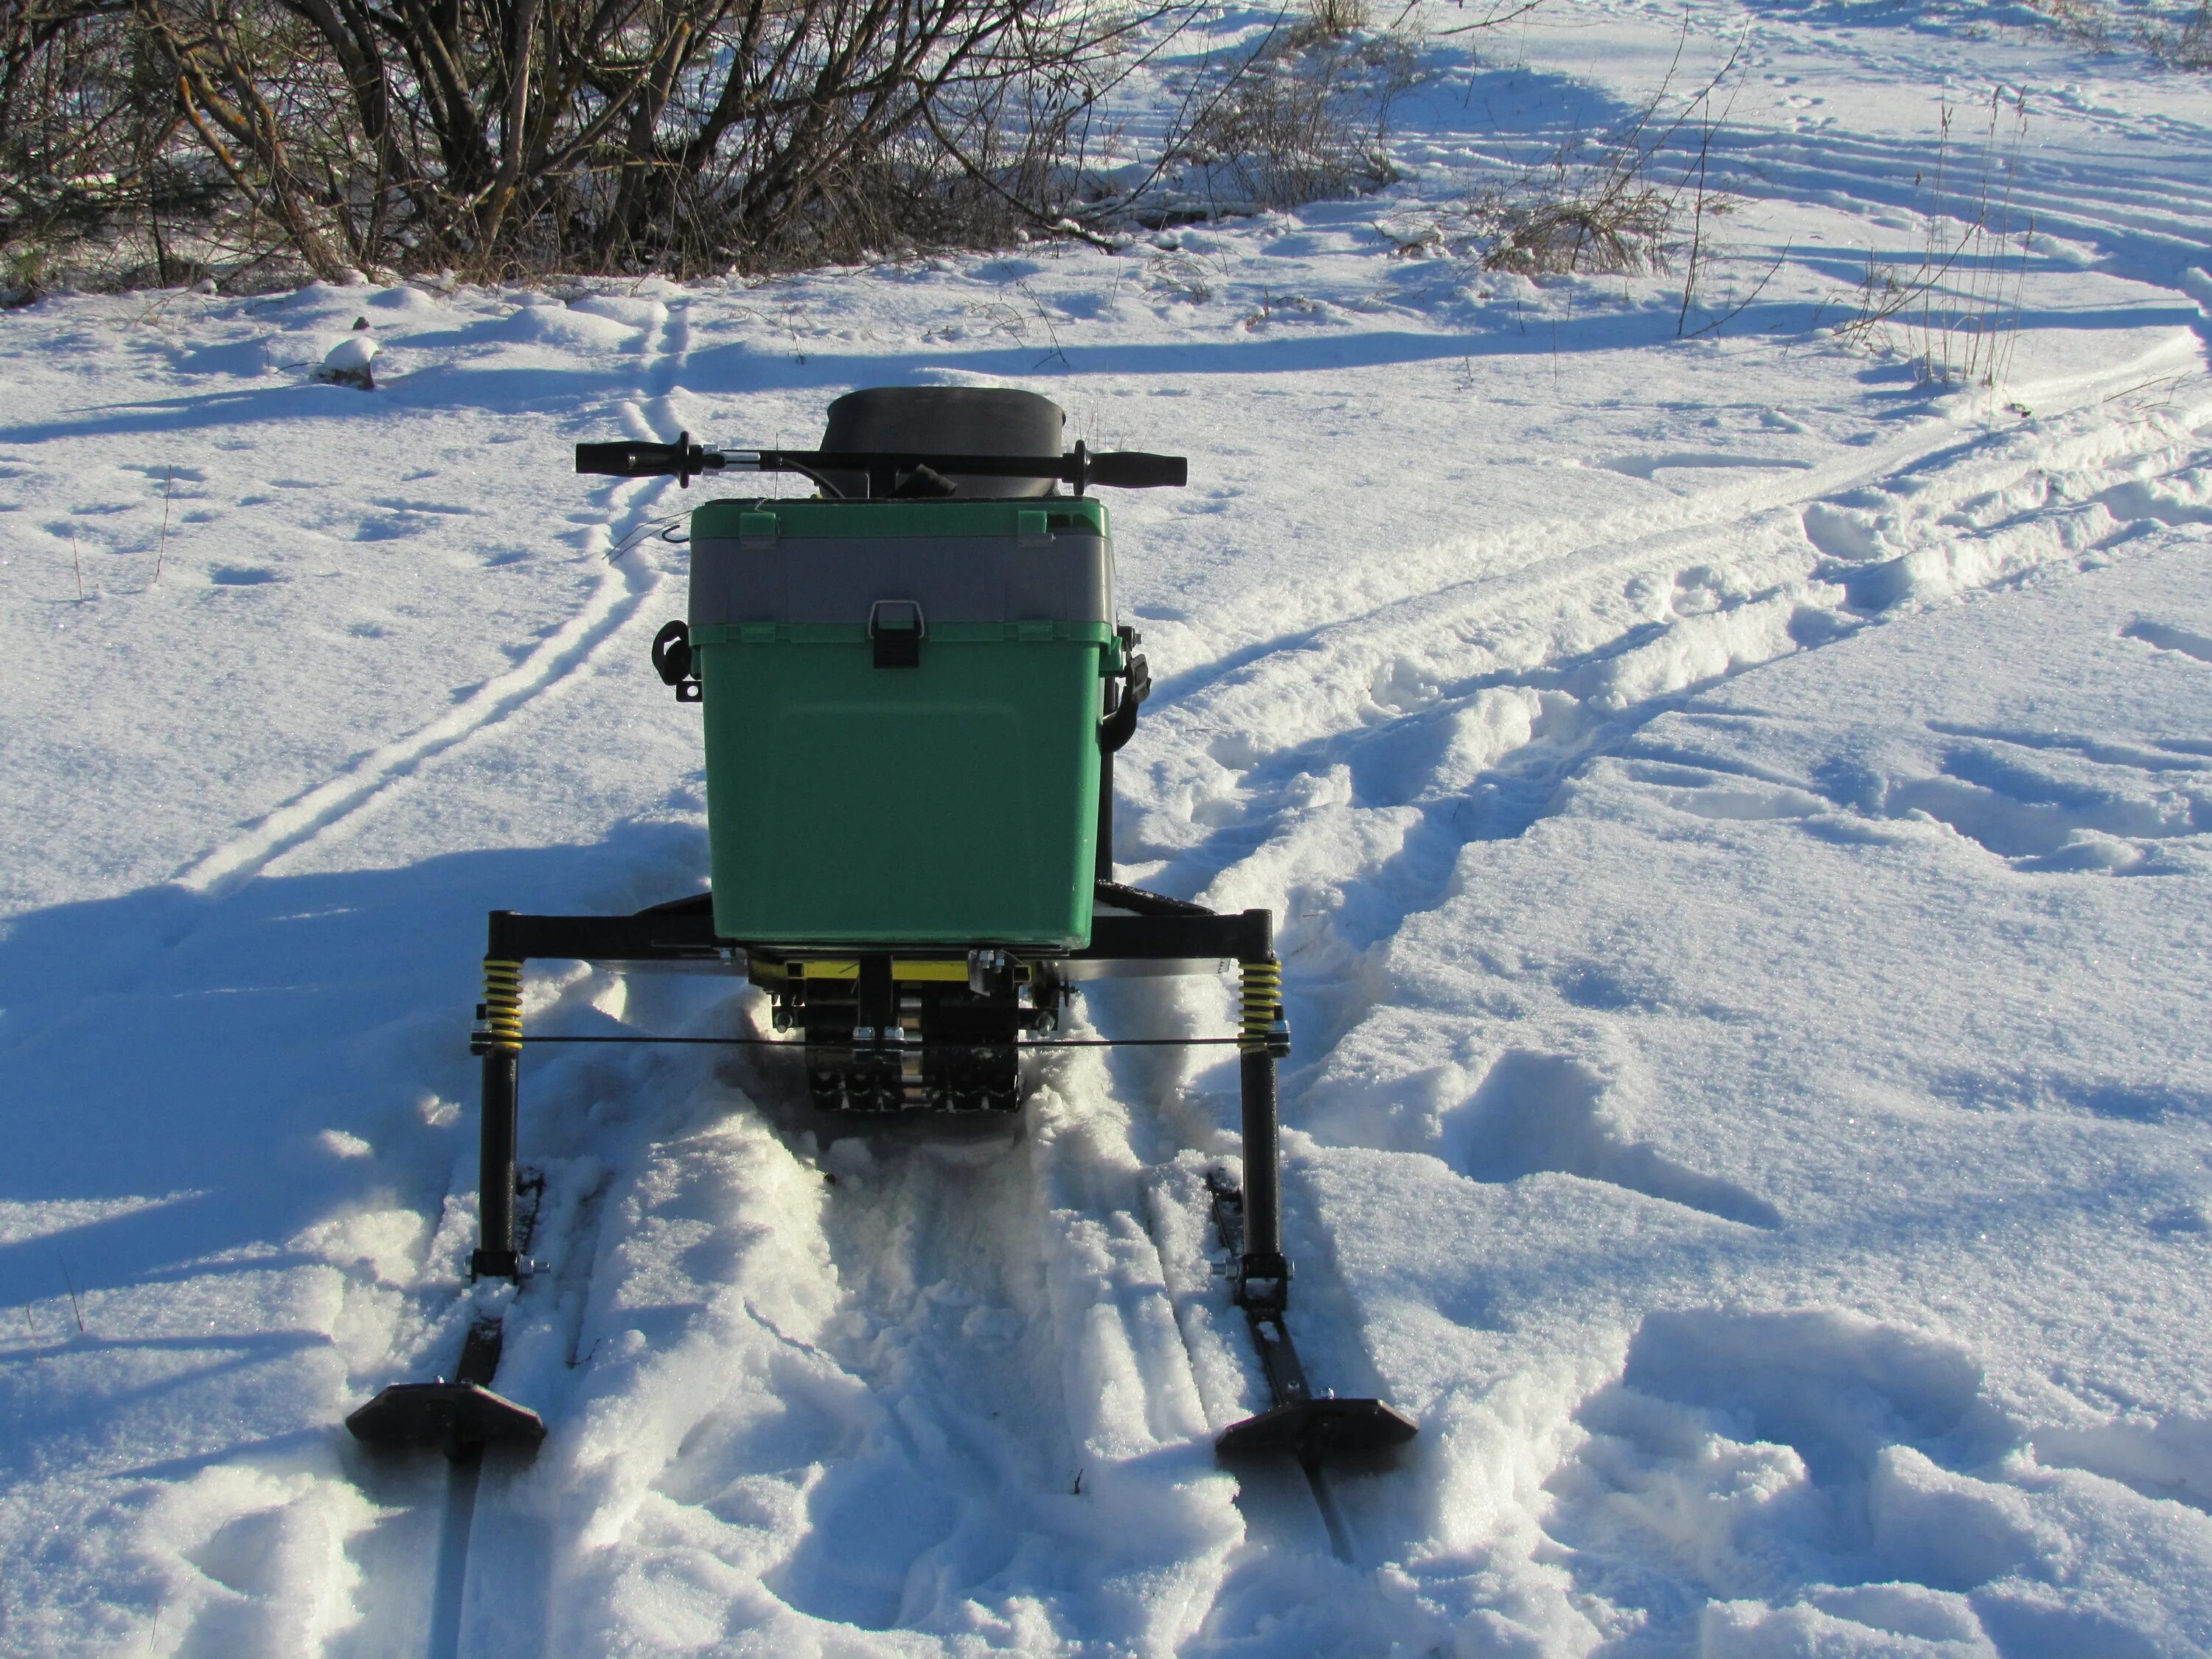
[[811, 518], [815, 562]]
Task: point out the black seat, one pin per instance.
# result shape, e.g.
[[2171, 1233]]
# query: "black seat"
[[946, 420]]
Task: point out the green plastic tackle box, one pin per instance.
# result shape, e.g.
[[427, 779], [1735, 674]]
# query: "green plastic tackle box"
[[901, 702]]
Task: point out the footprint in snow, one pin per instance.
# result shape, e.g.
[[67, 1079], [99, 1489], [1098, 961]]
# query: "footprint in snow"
[[1537, 1113], [1805, 1482]]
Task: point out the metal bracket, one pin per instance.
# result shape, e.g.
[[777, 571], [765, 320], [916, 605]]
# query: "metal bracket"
[[1136, 677], [673, 661], [986, 970]]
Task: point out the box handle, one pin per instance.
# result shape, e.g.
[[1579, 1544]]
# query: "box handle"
[[895, 631]]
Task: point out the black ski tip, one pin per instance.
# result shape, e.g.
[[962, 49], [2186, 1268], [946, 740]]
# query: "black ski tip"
[[1315, 1430], [453, 1415]]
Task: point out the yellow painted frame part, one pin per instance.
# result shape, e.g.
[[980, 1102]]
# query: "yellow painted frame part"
[[905, 968]]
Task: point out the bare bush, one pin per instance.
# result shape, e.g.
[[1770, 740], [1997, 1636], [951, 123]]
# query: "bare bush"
[[1607, 220], [86, 129], [1618, 214], [1617, 222], [2184, 43], [640, 134], [259, 140], [2174, 37], [1602, 207], [1333, 20], [1303, 117], [498, 138]]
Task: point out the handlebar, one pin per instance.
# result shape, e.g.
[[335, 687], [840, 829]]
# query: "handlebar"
[[1134, 469], [684, 460]]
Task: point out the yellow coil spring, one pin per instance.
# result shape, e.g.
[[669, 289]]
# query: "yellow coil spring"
[[502, 1021], [1263, 1006]]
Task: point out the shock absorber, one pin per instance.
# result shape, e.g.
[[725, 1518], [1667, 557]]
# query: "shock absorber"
[[1262, 1281], [499, 1027], [1264, 1030], [499, 1039]]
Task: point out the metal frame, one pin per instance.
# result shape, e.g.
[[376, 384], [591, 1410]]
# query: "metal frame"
[[463, 1414], [1169, 930]]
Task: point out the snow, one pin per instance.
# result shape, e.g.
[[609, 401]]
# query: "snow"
[[1740, 823], [349, 362]]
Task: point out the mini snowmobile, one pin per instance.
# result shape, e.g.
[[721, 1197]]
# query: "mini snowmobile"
[[912, 686]]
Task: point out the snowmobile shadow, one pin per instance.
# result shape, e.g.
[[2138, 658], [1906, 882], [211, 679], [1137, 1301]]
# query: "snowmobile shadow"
[[320, 1020]]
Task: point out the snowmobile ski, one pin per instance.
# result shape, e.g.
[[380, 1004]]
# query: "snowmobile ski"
[[460, 1415], [1312, 1428]]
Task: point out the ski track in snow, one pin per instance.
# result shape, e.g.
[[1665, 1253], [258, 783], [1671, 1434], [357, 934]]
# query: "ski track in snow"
[[2146, 216], [1496, 681], [1823, 1474], [942, 1347], [620, 592]]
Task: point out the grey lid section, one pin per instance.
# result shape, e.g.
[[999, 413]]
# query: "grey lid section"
[[955, 578], [948, 420]]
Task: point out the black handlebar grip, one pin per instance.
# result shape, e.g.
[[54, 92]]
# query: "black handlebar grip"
[[1133, 469], [682, 460], [629, 460]]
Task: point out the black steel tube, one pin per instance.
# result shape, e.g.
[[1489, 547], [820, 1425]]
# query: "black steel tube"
[[1263, 1190], [1126, 469], [1172, 935], [495, 1256], [1166, 932], [942, 1044]]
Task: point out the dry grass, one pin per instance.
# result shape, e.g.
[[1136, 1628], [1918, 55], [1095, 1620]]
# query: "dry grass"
[[1622, 225], [1956, 314], [2185, 44], [1610, 207], [2175, 40]]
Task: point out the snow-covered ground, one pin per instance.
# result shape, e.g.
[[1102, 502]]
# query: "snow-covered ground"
[[1742, 821]]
